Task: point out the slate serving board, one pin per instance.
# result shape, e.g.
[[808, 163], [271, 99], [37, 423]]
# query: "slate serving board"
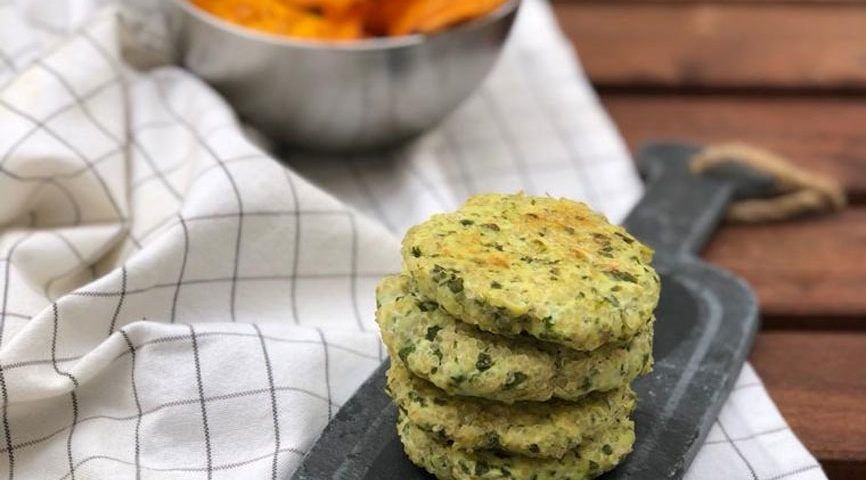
[[705, 326]]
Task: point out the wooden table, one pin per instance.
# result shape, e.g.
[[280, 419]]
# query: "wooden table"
[[789, 75]]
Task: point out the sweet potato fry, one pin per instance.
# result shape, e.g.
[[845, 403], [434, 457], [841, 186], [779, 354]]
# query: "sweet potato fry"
[[443, 14], [407, 19], [383, 13], [267, 16], [347, 19]]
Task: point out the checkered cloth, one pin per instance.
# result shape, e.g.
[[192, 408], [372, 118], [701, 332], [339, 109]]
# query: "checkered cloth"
[[176, 304]]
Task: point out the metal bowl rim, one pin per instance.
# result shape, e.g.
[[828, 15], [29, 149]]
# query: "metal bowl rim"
[[370, 44]]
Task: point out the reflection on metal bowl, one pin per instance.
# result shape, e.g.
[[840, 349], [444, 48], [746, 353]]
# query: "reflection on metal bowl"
[[351, 96]]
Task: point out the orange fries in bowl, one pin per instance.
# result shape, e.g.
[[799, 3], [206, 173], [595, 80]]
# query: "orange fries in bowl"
[[342, 20], [341, 75]]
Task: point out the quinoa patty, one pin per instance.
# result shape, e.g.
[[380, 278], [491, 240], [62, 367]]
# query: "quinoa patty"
[[463, 360], [534, 429], [551, 268], [587, 461]]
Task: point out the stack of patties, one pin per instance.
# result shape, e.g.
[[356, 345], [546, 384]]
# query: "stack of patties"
[[514, 331]]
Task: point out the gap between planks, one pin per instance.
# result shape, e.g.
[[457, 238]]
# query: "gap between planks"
[[720, 44]]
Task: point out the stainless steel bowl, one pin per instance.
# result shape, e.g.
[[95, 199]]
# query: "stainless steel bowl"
[[340, 96]]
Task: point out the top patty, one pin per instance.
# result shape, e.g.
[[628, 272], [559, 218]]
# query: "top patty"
[[551, 268]]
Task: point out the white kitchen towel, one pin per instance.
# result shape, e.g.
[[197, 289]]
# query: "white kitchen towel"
[[176, 304]]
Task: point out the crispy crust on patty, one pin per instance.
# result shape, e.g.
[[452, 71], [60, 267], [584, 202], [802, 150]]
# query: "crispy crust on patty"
[[550, 268]]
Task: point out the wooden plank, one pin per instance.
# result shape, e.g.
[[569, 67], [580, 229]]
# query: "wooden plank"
[[810, 267], [817, 381], [710, 44], [824, 134], [849, 469], [776, 2]]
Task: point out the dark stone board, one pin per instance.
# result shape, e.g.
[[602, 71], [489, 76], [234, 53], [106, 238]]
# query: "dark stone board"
[[705, 326]]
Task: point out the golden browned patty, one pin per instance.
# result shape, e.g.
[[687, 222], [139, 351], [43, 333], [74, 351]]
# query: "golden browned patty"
[[550, 268], [464, 360], [589, 460], [534, 429]]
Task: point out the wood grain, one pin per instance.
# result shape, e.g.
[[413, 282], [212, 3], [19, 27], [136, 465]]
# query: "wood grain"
[[827, 134], [754, 63], [817, 380], [810, 272], [808, 268], [790, 45]]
